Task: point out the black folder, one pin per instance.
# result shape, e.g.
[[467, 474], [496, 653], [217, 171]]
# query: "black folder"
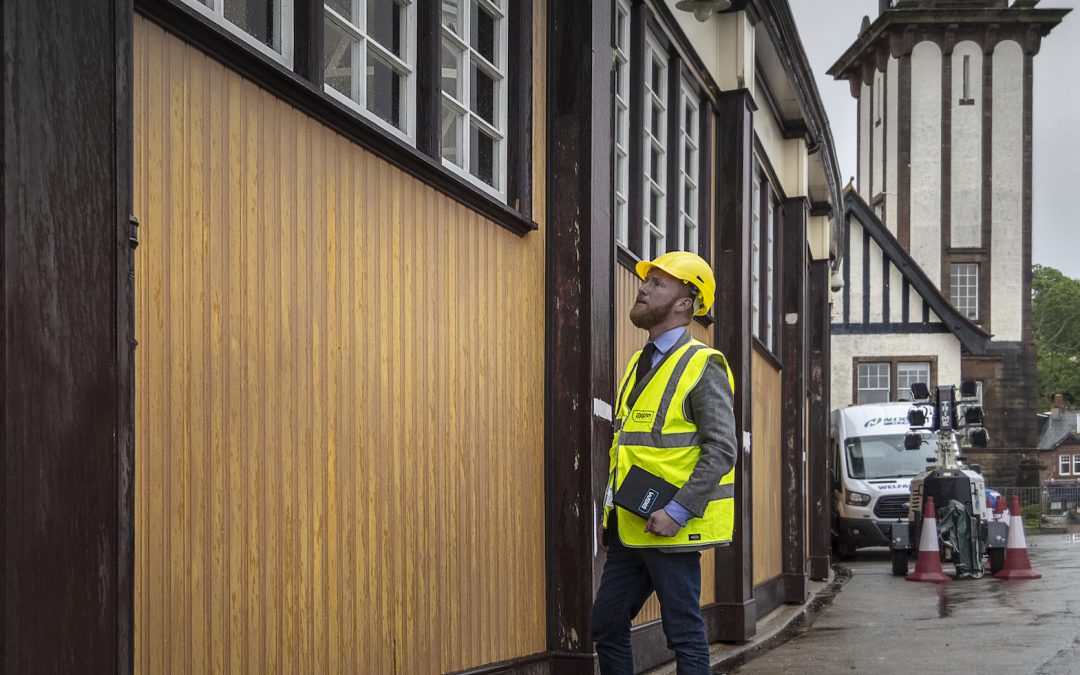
[[642, 492]]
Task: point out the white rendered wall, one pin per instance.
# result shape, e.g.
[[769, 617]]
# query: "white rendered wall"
[[855, 274], [892, 88], [877, 122], [876, 288], [864, 144], [926, 159], [845, 348], [966, 195], [896, 296], [1006, 298]]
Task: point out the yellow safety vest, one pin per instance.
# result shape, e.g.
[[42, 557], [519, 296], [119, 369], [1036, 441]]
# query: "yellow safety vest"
[[656, 436]]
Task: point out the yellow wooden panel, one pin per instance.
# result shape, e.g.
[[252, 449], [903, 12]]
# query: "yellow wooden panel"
[[765, 449], [339, 375]]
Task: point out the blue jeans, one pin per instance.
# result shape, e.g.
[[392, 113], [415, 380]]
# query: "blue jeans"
[[630, 575]]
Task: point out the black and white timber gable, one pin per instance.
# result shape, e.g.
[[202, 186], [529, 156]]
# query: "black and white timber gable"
[[886, 292]]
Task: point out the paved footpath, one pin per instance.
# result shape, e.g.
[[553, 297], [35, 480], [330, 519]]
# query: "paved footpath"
[[878, 623]]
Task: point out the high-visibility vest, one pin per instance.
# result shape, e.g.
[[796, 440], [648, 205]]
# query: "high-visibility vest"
[[656, 435]]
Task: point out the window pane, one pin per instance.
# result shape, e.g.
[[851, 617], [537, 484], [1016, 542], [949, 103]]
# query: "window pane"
[[483, 32], [452, 123], [384, 88], [1063, 465], [908, 374], [484, 162], [451, 69], [254, 17], [451, 15], [964, 288], [342, 7], [337, 59], [483, 95], [386, 25], [873, 382]]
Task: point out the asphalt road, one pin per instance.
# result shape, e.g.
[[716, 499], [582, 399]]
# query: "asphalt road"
[[878, 623]]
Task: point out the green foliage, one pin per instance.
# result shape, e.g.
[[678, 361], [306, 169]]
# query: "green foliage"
[[1055, 317], [1032, 515]]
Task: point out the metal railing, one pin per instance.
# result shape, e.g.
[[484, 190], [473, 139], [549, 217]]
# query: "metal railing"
[[1050, 504]]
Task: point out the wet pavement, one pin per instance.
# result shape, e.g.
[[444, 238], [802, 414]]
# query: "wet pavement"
[[878, 623]]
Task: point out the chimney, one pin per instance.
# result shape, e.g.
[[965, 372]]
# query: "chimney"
[[1056, 406]]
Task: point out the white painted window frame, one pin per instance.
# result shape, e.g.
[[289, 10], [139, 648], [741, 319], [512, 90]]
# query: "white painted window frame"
[[905, 389], [283, 25], [689, 142], [1076, 465], [770, 275], [968, 303], [755, 255], [859, 388], [469, 118], [1064, 465], [655, 186], [621, 206], [406, 67]]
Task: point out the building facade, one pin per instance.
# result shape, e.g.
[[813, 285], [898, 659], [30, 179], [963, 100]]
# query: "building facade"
[[376, 256], [944, 124]]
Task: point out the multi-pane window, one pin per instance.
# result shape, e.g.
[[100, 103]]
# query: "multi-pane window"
[[689, 142], [474, 89], [873, 382], [964, 289], [1063, 465], [755, 256], [622, 123], [1076, 465], [264, 24], [370, 59], [907, 374], [654, 221], [769, 304]]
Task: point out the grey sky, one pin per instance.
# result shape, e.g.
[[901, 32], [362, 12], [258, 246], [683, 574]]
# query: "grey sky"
[[828, 27]]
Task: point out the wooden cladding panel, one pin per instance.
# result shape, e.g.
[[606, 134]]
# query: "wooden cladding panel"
[[766, 452], [339, 386], [629, 339]]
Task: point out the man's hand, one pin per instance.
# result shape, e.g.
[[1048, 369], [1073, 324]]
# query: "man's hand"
[[661, 524]]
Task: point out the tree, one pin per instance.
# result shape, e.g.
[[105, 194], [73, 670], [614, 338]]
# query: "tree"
[[1055, 317]]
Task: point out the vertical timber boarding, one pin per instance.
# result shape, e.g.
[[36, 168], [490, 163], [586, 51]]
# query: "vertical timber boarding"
[[67, 431], [819, 489], [302, 480]]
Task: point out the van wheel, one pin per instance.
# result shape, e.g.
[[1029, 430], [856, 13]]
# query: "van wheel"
[[899, 563], [997, 560]]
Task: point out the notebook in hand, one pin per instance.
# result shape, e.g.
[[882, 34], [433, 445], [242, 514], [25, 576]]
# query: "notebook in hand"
[[641, 492]]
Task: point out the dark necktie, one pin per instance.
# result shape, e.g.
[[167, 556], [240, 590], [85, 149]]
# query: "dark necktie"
[[644, 364]]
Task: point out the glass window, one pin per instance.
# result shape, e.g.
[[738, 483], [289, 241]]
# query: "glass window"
[[755, 256], [873, 382], [264, 24], [689, 132], [654, 223], [369, 59], [622, 123], [474, 90], [770, 275], [1063, 465], [1076, 465], [908, 374], [964, 289]]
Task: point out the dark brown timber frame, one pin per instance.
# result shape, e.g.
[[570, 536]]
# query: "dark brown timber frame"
[[67, 431], [793, 411], [818, 379], [580, 320], [734, 617]]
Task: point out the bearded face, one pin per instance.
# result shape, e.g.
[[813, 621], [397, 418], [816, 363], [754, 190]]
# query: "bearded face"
[[656, 299]]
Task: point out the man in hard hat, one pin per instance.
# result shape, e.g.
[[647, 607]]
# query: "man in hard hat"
[[674, 419]]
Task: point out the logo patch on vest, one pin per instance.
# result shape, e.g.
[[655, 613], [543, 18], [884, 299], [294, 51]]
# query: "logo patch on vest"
[[644, 416], [695, 537], [650, 497]]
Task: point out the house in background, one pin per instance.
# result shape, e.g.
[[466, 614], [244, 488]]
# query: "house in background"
[[1059, 444], [378, 274], [944, 142]]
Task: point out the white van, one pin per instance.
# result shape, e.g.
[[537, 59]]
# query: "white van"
[[871, 473]]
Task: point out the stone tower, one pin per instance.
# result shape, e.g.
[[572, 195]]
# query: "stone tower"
[[944, 90]]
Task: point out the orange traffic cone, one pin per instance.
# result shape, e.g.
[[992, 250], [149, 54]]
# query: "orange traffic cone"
[[928, 564], [1017, 563]]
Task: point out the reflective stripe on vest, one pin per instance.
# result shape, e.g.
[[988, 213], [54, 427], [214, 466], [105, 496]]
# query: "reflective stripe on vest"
[[657, 436]]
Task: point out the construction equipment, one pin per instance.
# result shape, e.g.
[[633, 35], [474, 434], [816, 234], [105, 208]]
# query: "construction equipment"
[[968, 531]]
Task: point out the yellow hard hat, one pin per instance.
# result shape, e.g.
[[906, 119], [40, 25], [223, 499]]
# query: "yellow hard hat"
[[688, 268]]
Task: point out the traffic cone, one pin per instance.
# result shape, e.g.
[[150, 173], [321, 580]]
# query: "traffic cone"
[[1017, 563], [928, 564]]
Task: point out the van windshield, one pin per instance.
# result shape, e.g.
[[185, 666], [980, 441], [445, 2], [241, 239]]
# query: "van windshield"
[[870, 457]]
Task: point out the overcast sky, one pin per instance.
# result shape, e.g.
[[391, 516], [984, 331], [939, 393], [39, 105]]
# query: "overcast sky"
[[828, 27]]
